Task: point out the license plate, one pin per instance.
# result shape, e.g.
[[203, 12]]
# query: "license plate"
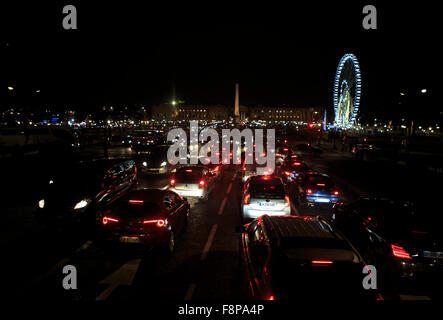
[[266, 204], [322, 200], [431, 254], [130, 239]]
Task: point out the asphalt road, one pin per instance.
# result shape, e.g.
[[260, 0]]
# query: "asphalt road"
[[205, 263]]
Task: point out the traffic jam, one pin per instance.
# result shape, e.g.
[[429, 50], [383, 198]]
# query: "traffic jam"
[[292, 230]]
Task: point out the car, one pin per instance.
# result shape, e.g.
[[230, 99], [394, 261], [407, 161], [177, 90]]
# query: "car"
[[248, 170], [299, 258], [316, 189], [193, 181], [146, 216], [290, 170], [79, 191], [283, 153], [157, 160], [395, 236], [264, 194]]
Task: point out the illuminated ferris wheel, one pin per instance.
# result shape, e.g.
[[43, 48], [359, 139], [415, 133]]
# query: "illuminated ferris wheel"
[[347, 91]]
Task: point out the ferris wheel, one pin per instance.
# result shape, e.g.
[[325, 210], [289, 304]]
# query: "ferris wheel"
[[347, 91]]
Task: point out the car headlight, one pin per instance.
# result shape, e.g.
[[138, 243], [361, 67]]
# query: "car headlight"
[[41, 204], [145, 164], [81, 204], [163, 164]]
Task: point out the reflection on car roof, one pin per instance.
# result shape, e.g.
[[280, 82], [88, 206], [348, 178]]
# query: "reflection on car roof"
[[292, 227]]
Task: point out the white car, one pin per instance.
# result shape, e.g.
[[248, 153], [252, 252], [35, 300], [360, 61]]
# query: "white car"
[[193, 182]]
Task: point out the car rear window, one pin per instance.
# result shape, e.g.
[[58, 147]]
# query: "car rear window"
[[267, 191], [319, 181], [188, 175], [129, 210]]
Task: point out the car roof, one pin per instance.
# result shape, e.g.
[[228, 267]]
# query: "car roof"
[[298, 226], [147, 195]]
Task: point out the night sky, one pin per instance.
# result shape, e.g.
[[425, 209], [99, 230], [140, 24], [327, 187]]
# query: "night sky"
[[132, 54]]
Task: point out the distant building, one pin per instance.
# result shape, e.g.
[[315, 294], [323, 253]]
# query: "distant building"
[[285, 113]]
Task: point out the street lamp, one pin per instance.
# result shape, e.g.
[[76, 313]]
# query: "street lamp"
[[423, 90], [10, 88]]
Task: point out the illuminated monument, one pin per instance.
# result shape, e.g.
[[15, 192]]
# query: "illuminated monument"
[[347, 91], [237, 104]]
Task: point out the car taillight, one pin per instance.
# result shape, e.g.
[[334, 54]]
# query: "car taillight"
[[244, 168], [278, 154], [287, 201], [159, 222], [336, 193], [308, 191], [136, 201], [217, 169], [172, 182], [270, 298], [321, 263], [201, 184], [247, 199], [106, 220], [400, 252], [287, 173]]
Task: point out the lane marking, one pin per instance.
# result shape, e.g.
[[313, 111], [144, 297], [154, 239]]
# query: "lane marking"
[[209, 242], [60, 264], [124, 276], [190, 292], [229, 188], [52, 270], [222, 206]]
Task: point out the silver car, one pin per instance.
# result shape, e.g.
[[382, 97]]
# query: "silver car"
[[193, 182], [264, 195]]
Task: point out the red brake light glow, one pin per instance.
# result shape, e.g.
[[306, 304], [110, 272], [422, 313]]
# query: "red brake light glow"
[[172, 182], [201, 183], [217, 169], [287, 173], [336, 193], [287, 201], [160, 223], [308, 191], [247, 198], [188, 170], [322, 262], [136, 201], [400, 252], [105, 220]]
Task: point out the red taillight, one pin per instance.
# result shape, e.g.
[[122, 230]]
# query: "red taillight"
[[400, 252], [270, 298], [247, 199], [278, 154], [217, 169], [188, 170], [287, 173], [297, 163], [202, 183], [321, 262], [287, 201], [172, 182], [105, 220], [244, 168], [159, 223], [136, 201], [308, 191], [285, 149], [336, 193]]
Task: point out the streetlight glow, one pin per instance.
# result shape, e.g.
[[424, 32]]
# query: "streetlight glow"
[[10, 88], [423, 90]]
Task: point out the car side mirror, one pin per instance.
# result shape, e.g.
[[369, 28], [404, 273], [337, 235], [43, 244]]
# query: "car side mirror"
[[240, 229]]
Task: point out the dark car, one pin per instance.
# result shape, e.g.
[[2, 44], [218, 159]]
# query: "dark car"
[[314, 188], [394, 236], [296, 257], [146, 216], [78, 192], [157, 160], [290, 170]]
